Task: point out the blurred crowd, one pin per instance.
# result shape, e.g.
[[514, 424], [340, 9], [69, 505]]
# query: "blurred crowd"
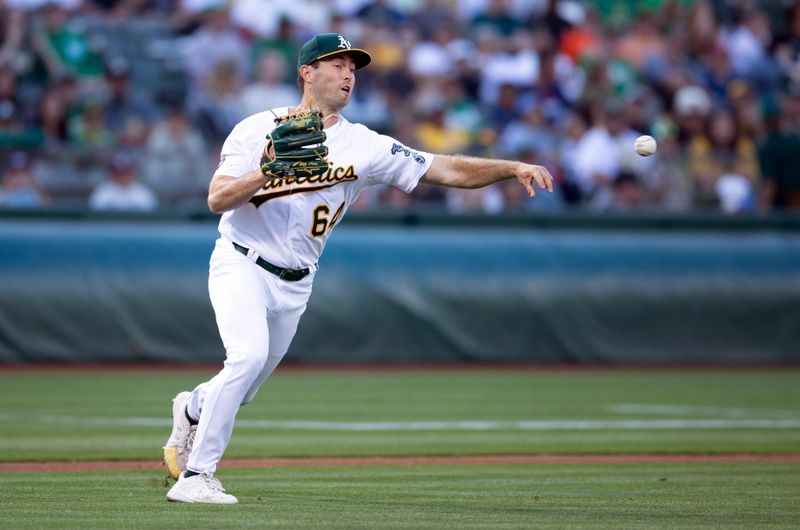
[[124, 104]]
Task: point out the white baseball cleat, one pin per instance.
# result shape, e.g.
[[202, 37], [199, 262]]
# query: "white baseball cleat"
[[179, 445], [200, 489]]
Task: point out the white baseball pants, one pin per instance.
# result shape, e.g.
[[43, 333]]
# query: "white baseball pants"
[[257, 315]]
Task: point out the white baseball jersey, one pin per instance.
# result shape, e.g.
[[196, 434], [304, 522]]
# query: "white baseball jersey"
[[289, 220]]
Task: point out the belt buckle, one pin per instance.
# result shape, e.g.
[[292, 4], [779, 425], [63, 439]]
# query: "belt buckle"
[[287, 275]]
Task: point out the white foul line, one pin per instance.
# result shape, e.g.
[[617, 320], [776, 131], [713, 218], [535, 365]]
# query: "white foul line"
[[527, 425], [701, 410]]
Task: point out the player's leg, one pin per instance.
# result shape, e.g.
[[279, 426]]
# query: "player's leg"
[[240, 299], [282, 327]]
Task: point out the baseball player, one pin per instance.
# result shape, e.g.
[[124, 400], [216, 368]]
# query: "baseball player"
[[285, 179]]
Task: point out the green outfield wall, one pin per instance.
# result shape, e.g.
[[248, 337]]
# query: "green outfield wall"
[[418, 289]]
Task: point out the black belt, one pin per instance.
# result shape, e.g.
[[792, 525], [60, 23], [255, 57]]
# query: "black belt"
[[290, 275]]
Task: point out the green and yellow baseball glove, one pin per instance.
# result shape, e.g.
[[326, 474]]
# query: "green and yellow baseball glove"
[[297, 148]]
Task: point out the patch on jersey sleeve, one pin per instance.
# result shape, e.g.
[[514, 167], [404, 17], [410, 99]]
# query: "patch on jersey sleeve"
[[400, 148]]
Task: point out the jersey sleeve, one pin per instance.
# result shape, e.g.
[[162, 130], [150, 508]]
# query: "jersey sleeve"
[[234, 158], [395, 164]]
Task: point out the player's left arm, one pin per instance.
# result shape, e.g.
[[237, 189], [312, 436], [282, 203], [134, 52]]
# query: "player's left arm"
[[458, 171]]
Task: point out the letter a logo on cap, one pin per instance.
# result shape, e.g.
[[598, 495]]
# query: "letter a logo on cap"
[[344, 43]]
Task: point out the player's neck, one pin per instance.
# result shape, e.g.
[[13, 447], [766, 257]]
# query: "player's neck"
[[330, 116]]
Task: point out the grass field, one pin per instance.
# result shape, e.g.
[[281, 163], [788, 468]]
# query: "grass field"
[[52, 416], [589, 496]]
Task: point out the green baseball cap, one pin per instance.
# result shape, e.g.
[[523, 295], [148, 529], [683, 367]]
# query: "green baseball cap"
[[327, 45]]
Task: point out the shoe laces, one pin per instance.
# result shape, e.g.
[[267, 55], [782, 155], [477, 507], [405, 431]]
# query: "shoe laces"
[[213, 482], [190, 439]]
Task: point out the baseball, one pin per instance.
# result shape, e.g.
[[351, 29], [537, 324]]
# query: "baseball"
[[645, 145]]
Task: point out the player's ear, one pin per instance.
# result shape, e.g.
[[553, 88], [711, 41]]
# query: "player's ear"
[[306, 73]]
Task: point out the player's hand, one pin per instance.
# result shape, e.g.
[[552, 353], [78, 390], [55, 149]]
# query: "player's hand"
[[528, 173]]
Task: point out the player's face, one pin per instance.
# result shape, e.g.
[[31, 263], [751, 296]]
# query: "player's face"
[[334, 80]]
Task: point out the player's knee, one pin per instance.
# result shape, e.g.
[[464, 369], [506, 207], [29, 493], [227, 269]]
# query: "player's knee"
[[272, 362], [248, 364], [254, 365]]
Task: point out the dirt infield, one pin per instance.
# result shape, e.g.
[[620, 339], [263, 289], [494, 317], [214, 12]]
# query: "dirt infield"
[[135, 465]]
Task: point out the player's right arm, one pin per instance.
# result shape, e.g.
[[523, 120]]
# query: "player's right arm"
[[228, 193]]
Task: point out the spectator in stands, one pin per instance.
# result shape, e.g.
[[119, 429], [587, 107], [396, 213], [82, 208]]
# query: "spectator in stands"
[[779, 155], [556, 88], [87, 128], [552, 18], [597, 87], [721, 152], [13, 89], [669, 72], [641, 43], [268, 88], [281, 41], [505, 109], [703, 28], [432, 57], [379, 12], [112, 7], [9, 89], [583, 40], [19, 188], [129, 113], [717, 75], [513, 62], [746, 44], [15, 131], [17, 127], [790, 106], [602, 152], [387, 49], [12, 25], [498, 17], [532, 132], [628, 192], [65, 48], [214, 42], [54, 109], [393, 199], [461, 111], [434, 14], [434, 135], [122, 190], [217, 108], [668, 181], [488, 201], [787, 46], [180, 16], [572, 130], [691, 106], [263, 18], [368, 105], [176, 160]]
